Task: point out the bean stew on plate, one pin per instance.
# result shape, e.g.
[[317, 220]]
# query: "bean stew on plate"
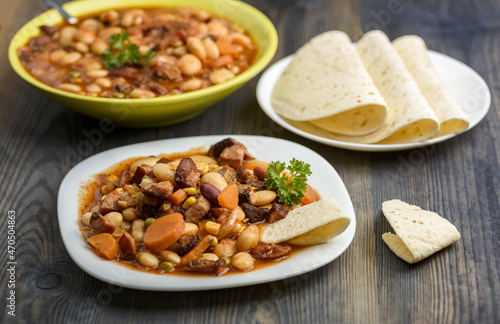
[[139, 53], [191, 212]]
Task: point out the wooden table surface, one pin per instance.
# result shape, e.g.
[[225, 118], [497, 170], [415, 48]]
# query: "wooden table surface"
[[458, 178]]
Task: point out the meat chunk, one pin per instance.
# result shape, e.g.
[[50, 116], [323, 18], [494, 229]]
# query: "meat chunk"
[[161, 190], [187, 243], [243, 175], [254, 214], [163, 160], [199, 209], [110, 202], [243, 193], [172, 210], [233, 156], [157, 88], [256, 184], [127, 245], [187, 175], [270, 251], [124, 178], [217, 148], [217, 268], [48, 30], [220, 213], [148, 211], [99, 224], [140, 172], [277, 212]]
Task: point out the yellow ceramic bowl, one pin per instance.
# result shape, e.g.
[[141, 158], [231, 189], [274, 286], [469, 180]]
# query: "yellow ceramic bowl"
[[162, 110]]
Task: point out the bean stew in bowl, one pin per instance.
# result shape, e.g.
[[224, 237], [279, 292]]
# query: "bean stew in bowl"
[[147, 63], [201, 218]]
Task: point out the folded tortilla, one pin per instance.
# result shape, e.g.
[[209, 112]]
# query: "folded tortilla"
[[414, 53], [311, 224], [419, 233], [327, 85], [409, 118]]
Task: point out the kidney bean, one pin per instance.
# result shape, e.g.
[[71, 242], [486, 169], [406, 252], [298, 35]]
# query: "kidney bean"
[[210, 192]]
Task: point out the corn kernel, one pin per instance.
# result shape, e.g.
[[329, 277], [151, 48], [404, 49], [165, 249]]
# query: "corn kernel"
[[111, 178], [215, 241], [119, 190], [190, 191], [123, 203], [189, 202], [167, 266], [203, 167], [102, 198], [212, 227]]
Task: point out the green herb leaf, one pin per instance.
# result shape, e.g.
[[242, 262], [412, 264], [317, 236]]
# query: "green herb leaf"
[[291, 188], [120, 53]]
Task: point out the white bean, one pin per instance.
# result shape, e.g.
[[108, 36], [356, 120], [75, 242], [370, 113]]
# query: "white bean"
[[190, 85], [97, 73], [248, 238], [221, 75], [138, 230], [94, 88], [211, 48], [242, 261], [150, 160], [189, 64], [208, 256], [225, 248], [115, 218], [195, 46], [57, 55], [263, 197], [215, 179], [67, 34], [129, 214], [98, 46], [71, 58], [147, 259], [141, 93], [86, 218], [70, 87], [190, 228], [164, 172], [81, 47], [103, 82]]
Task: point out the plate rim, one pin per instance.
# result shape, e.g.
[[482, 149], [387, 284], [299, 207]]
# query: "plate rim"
[[271, 113], [75, 178]]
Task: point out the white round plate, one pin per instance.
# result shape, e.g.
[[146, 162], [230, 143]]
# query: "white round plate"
[[324, 178], [466, 86]]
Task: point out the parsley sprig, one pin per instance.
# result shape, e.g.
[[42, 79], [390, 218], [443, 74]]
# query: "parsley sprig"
[[291, 188], [122, 52]]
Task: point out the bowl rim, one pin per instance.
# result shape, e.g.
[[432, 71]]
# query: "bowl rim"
[[267, 53]]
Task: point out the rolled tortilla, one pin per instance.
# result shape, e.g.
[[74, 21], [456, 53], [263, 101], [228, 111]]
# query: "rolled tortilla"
[[414, 53], [311, 224], [327, 85], [410, 117], [419, 233]]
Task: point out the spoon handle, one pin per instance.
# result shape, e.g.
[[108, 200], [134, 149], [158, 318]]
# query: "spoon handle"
[[57, 6]]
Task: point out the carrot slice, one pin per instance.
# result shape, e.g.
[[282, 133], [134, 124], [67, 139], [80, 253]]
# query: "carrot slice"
[[164, 232], [226, 47], [228, 197], [178, 197], [309, 196], [221, 61], [198, 250], [106, 244]]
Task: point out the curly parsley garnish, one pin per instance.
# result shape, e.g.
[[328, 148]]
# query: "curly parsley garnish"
[[122, 52], [291, 188]]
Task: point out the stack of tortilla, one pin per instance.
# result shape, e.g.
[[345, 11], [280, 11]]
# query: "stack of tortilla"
[[375, 92]]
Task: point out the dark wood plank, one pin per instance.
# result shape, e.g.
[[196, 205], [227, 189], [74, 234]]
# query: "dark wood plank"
[[40, 141]]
